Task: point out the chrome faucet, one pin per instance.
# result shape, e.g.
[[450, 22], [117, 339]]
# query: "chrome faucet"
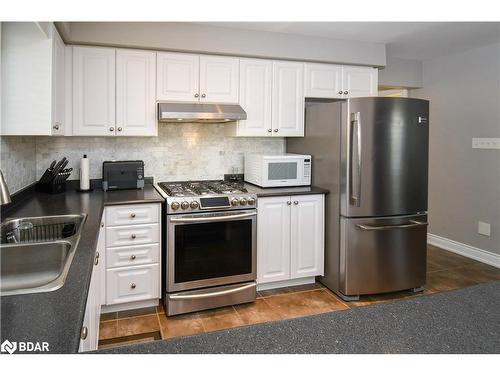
[[4, 191]]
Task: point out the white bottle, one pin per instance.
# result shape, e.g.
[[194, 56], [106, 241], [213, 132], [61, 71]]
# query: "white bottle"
[[84, 173]]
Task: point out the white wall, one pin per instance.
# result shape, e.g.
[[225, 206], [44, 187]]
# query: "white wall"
[[464, 183], [18, 161], [401, 73], [191, 37]]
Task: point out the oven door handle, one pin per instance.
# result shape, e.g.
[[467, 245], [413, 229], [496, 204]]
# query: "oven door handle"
[[210, 219], [212, 294]]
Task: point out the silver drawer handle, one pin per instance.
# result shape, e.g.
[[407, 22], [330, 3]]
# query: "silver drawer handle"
[[132, 286], [413, 224], [132, 257], [213, 294], [84, 333], [132, 215], [295, 202], [132, 236]]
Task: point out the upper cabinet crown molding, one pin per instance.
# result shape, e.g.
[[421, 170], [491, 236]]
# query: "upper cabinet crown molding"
[[195, 78]]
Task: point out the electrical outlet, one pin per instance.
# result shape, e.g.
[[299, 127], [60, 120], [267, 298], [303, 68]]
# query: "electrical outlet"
[[486, 143], [483, 228]]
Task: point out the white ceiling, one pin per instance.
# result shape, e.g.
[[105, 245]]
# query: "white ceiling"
[[409, 40]]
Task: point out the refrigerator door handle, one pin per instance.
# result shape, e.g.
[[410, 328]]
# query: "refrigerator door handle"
[[356, 198], [413, 224]]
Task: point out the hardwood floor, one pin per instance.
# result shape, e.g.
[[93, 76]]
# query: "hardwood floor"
[[445, 271]]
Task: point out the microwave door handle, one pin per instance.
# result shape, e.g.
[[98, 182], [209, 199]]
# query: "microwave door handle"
[[355, 120], [210, 219]]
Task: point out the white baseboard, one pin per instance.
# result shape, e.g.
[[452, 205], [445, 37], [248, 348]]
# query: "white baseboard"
[[130, 305], [466, 250], [285, 283]]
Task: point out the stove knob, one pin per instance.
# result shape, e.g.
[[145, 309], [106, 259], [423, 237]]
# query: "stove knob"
[[251, 201], [234, 202], [193, 205], [175, 205], [184, 205], [243, 201]]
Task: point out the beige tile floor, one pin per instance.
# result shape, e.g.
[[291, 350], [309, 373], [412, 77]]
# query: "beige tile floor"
[[445, 271]]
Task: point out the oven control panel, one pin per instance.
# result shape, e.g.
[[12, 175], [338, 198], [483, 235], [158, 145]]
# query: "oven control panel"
[[211, 203]]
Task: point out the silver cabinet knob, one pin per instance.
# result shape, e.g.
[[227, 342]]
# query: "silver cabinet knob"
[[84, 333], [289, 203], [276, 130], [96, 260], [346, 92], [340, 92], [295, 202], [56, 126], [196, 95], [269, 130], [102, 225], [132, 215], [132, 236], [132, 286], [120, 129], [111, 129], [132, 257], [203, 95]]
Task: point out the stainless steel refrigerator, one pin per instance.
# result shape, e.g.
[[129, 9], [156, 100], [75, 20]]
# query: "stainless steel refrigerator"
[[372, 154]]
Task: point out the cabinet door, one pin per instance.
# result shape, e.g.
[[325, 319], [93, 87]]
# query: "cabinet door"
[[93, 91], [90, 329], [307, 235], [219, 79], [273, 239], [255, 97], [129, 284], [177, 76], [288, 99], [359, 81], [135, 93], [58, 86], [323, 80], [101, 246]]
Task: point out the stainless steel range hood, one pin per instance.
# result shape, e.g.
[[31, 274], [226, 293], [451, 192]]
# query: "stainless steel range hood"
[[200, 112]]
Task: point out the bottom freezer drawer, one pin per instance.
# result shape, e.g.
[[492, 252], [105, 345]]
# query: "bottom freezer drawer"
[[379, 255]]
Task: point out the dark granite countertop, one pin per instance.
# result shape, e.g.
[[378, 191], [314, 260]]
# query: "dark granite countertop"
[[57, 317], [283, 191]]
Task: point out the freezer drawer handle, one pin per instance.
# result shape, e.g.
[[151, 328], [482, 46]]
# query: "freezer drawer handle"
[[213, 294], [413, 224]]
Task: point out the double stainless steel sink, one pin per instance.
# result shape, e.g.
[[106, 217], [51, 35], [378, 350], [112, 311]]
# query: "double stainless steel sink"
[[36, 252]]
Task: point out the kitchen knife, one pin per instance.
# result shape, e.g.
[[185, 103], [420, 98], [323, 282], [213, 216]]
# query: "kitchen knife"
[[46, 174], [59, 167]]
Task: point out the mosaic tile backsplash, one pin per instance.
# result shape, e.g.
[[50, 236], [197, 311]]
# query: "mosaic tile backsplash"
[[18, 161], [180, 152]]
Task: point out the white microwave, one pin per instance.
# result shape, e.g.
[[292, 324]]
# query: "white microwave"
[[274, 170]]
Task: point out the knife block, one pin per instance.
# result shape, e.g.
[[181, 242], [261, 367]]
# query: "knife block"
[[51, 187]]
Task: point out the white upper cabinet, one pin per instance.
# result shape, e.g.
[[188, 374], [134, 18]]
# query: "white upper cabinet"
[[178, 77], [359, 81], [135, 93], [339, 81], [192, 78], [255, 97], [323, 81], [219, 79], [307, 236], [33, 79], [288, 99], [94, 91]]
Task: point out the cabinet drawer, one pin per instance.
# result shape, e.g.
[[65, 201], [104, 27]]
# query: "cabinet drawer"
[[128, 284], [132, 235], [132, 214], [132, 255]]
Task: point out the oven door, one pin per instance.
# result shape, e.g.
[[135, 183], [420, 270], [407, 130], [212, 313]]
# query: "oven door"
[[209, 249]]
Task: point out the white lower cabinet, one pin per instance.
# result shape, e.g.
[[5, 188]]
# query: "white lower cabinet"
[[290, 237], [89, 336], [133, 256]]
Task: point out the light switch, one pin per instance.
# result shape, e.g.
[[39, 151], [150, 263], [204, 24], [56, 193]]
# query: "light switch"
[[486, 143], [483, 228]]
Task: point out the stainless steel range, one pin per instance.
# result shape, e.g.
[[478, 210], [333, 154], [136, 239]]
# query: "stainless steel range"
[[210, 245]]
